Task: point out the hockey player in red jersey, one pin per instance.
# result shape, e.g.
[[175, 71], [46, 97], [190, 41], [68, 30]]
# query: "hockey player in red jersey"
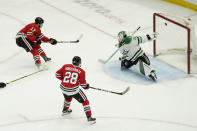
[[30, 38], [73, 76]]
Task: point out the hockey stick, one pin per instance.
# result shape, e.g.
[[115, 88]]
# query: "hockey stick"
[[118, 93], [76, 41], [103, 61], [2, 84]]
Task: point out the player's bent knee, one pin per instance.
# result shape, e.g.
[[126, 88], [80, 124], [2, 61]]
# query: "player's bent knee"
[[86, 102]]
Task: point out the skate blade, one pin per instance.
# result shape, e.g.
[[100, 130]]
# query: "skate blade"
[[91, 122], [64, 114]]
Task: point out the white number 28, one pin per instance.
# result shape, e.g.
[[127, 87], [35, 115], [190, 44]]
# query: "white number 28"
[[70, 77]]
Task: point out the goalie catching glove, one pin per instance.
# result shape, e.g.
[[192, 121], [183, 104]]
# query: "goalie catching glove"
[[153, 36]]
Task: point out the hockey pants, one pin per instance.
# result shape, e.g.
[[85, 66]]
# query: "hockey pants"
[[32, 47]]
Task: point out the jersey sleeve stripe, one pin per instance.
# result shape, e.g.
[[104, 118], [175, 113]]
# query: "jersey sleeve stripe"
[[40, 37], [58, 75]]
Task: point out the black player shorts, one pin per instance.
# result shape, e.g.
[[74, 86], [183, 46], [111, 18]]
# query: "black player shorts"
[[25, 43], [80, 96]]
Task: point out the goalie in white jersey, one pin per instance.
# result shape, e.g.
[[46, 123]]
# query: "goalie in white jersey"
[[132, 53]]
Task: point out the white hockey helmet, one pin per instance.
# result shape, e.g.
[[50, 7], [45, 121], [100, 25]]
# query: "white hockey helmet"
[[121, 36]]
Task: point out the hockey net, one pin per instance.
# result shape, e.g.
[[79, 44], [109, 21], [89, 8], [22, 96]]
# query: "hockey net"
[[175, 45]]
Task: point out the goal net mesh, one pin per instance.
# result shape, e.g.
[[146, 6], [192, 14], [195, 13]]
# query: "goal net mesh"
[[174, 45]]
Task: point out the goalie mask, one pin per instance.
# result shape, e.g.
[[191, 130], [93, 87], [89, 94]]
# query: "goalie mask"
[[121, 36], [76, 61]]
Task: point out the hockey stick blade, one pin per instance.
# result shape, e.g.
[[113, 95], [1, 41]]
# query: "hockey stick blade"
[[76, 41], [80, 37], [102, 61], [125, 91]]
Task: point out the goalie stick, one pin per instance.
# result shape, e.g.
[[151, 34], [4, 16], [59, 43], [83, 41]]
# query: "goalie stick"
[[118, 93], [2, 84], [105, 61], [76, 41]]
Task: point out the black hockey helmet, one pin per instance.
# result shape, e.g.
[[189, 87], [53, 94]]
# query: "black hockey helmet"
[[39, 20], [76, 61]]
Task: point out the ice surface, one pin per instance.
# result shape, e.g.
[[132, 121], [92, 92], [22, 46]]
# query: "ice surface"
[[35, 103]]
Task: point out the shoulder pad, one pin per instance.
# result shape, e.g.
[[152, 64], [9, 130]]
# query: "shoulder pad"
[[127, 40]]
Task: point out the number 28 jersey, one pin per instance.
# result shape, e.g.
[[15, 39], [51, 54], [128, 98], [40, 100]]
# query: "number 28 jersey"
[[72, 77]]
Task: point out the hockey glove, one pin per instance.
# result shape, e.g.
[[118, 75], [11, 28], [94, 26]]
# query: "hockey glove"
[[38, 42], [122, 58], [2, 84], [152, 36], [87, 86], [53, 41]]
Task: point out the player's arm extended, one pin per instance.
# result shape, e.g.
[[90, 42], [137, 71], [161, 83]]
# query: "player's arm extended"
[[144, 39]]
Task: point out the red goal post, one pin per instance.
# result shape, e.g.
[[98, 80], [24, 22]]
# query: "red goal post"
[[168, 19]]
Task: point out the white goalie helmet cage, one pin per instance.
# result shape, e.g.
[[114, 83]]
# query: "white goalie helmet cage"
[[121, 35]]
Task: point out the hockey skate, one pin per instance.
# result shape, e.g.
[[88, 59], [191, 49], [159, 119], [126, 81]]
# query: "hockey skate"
[[153, 75], [90, 119], [66, 112], [46, 59]]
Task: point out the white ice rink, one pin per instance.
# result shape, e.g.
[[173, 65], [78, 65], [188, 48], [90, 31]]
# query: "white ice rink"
[[35, 103]]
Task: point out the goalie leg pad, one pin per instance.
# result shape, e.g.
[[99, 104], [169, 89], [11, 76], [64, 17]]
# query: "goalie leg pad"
[[145, 59], [144, 69]]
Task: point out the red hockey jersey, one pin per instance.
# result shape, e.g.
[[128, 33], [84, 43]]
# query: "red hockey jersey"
[[33, 32], [72, 77]]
